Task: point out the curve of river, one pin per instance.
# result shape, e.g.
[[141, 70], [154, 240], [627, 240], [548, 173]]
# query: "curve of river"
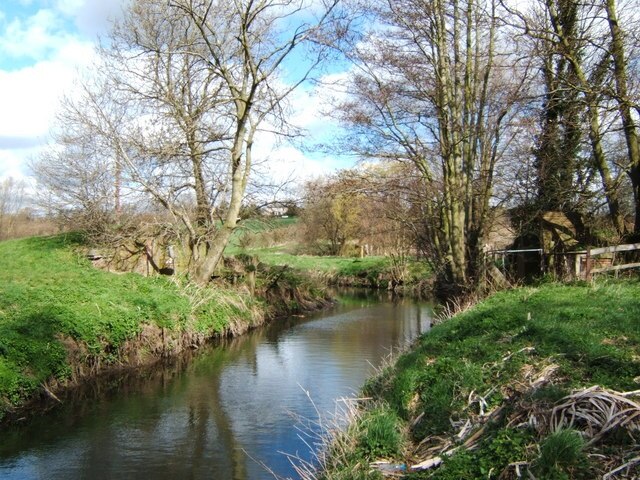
[[221, 413]]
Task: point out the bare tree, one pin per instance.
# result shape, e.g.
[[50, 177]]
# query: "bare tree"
[[434, 88], [183, 90], [245, 48], [79, 183], [12, 194]]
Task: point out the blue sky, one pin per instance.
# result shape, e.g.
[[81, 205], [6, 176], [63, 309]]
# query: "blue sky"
[[43, 46], [36, 30]]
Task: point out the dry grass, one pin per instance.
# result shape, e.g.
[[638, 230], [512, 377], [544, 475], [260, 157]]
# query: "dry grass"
[[328, 438], [23, 225], [597, 412]]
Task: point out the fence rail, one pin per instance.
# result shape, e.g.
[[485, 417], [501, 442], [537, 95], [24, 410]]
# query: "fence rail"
[[594, 265], [586, 262]]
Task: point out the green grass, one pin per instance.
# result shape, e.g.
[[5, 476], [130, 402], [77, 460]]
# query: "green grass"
[[590, 332], [379, 434], [275, 242], [49, 292], [259, 230], [372, 271], [340, 265], [562, 455]]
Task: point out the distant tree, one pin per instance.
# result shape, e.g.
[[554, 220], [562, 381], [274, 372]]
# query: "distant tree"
[[80, 183], [372, 207], [331, 216], [12, 195], [293, 209]]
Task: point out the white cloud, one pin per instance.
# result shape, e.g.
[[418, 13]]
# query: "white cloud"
[[30, 96], [70, 7], [41, 61], [34, 37], [280, 161], [289, 163], [13, 163], [91, 17], [37, 36]]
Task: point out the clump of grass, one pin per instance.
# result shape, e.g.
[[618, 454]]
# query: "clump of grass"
[[379, 434], [562, 456], [548, 394]]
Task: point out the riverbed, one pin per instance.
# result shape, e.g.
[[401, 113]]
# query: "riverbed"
[[228, 411]]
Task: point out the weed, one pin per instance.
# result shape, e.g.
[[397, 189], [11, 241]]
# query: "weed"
[[562, 456], [506, 447], [462, 465]]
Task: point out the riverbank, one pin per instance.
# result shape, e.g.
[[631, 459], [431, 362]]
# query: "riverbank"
[[278, 242], [400, 275], [523, 385], [225, 411], [63, 321]]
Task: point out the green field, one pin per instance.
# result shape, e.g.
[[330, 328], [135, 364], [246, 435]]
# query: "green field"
[[275, 242]]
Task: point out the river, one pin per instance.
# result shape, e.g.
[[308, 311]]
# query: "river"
[[224, 413]]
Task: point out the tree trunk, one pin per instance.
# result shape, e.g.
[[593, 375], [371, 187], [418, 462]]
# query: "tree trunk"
[[610, 190], [241, 166], [624, 105]]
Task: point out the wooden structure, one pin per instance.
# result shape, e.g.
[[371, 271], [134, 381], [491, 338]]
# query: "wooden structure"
[[586, 263]]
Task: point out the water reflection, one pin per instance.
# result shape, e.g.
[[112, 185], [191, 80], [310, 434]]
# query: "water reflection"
[[210, 415]]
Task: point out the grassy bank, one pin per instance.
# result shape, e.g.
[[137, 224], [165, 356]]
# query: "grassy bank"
[[61, 319], [475, 397], [276, 242]]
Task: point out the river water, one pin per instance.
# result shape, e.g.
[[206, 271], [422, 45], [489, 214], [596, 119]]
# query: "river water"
[[226, 412]]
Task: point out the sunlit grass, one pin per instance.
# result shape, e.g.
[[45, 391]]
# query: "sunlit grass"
[[50, 292], [589, 334]]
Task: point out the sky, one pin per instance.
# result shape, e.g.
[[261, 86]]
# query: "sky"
[[45, 44]]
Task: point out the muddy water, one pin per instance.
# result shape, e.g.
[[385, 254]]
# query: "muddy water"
[[224, 413]]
